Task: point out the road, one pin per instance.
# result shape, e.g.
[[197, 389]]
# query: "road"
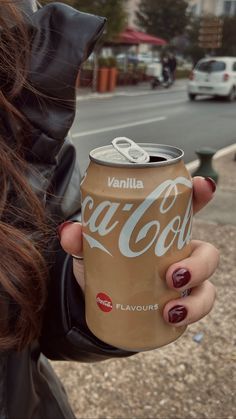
[[161, 116]]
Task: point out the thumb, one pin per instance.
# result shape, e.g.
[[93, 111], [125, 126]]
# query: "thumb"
[[203, 192], [70, 236]]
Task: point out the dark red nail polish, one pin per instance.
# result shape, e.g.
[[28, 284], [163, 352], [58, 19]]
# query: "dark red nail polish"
[[60, 228], [177, 314], [212, 183], [181, 277]]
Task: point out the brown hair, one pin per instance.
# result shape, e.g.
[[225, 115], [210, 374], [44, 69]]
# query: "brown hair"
[[23, 272]]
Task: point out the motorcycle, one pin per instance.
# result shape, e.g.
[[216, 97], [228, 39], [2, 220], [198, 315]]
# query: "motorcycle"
[[163, 80]]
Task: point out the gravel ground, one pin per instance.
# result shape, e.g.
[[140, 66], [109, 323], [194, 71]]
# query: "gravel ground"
[[186, 379]]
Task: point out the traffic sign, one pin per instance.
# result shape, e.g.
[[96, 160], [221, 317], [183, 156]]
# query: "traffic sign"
[[210, 32], [210, 45], [210, 38], [211, 22]]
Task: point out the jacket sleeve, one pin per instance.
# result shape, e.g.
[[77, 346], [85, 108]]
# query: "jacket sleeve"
[[62, 38], [65, 334]]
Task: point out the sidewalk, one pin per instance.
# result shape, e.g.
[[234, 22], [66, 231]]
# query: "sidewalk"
[[192, 377], [222, 210], [85, 93]]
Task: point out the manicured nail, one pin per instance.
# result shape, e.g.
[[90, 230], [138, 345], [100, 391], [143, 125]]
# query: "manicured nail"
[[212, 183], [177, 314], [181, 277], [60, 228]]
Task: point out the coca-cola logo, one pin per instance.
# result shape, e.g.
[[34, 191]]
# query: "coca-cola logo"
[[101, 219], [104, 302]]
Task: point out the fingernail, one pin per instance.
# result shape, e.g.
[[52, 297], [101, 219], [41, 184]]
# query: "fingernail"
[[177, 314], [60, 228], [181, 277], [212, 183]]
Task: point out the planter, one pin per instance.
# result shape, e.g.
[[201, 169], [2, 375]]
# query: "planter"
[[112, 79], [102, 79]]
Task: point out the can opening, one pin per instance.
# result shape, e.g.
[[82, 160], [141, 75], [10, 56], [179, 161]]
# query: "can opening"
[[154, 159], [157, 155]]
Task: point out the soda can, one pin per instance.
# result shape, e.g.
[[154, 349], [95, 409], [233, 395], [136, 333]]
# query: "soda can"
[[136, 220]]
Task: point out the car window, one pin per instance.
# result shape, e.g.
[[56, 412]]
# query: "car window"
[[211, 66], [234, 66]]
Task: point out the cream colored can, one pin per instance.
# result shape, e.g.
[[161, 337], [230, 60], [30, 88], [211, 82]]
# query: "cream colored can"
[[136, 222]]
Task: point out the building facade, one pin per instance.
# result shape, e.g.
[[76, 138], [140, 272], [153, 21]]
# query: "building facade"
[[131, 7], [198, 7], [214, 7]]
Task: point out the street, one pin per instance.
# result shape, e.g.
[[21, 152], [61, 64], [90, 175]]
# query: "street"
[[159, 116]]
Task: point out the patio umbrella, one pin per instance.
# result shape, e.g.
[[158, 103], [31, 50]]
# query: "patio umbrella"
[[127, 37], [135, 37]]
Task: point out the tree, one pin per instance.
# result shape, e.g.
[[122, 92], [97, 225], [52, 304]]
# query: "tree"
[[113, 10], [163, 18], [229, 37], [193, 50]]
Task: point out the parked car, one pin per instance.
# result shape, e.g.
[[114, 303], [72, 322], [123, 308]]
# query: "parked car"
[[214, 76], [127, 58], [135, 59]]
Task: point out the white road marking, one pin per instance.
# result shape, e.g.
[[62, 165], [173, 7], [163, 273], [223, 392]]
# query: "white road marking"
[[121, 126]]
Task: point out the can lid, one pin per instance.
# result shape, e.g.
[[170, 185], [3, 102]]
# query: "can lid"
[[130, 150], [159, 155]]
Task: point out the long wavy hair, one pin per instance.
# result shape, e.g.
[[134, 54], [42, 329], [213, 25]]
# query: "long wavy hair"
[[23, 224]]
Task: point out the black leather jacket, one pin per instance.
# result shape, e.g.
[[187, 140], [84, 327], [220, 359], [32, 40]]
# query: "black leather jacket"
[[62, 38]]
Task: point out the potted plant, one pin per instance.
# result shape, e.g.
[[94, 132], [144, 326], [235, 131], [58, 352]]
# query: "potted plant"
[[112, 76], [103, 70]]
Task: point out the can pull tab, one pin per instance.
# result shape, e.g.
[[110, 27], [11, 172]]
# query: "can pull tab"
[[130, 150]]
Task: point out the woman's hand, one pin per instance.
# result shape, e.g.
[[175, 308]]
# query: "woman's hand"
[[188, 274], [70, 234], [191, 277]]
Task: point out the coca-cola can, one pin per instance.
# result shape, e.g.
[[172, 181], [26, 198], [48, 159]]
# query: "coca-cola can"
[[136, 220]]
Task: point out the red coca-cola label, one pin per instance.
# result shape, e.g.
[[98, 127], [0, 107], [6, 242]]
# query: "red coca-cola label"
[[104, 302]]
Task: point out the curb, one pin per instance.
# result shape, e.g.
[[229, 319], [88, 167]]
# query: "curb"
[[127, 93]]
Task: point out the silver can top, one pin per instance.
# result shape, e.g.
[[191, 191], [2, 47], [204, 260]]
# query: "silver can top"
[[159, 155]]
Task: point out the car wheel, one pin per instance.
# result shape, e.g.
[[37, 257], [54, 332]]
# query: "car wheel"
[[192, 96], [232, 94]]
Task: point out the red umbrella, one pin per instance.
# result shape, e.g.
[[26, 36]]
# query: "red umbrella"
[[127, 38], [132, 36]]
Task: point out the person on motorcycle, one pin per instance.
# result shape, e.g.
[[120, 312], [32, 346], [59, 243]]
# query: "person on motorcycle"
[[166, 71]]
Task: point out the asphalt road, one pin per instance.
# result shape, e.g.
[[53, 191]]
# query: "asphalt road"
[[165, 117]]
